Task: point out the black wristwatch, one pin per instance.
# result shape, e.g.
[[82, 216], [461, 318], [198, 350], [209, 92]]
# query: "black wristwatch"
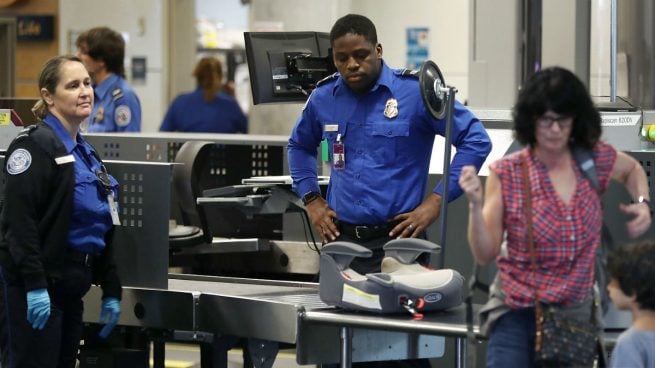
[[309, 197]]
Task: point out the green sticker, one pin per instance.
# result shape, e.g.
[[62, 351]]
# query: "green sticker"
[[325, 152]]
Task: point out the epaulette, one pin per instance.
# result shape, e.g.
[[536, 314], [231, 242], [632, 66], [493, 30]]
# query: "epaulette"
[[116, 94], [330, 77], [26, 131], [407, 72]]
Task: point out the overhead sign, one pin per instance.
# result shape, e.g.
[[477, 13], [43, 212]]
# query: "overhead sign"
[[35, 28]]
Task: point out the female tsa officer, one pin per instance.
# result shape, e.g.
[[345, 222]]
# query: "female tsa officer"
[[57, 218]]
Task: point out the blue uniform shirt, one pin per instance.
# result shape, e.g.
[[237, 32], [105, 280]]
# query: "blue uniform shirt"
[[386, 159], [91, 218], [190, 112], [116, 107]]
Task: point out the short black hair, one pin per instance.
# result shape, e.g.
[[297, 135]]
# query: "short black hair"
[[355, 24], [559, 90], [633, 266]]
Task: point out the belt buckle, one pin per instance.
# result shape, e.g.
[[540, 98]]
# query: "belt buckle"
[[357, 228]]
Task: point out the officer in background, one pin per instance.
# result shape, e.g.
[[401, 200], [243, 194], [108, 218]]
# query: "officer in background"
[[59, 210], [117, 107], [211, 108], [380, 138]]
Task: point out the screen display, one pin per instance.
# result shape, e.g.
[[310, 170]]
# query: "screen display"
[[285, 66]]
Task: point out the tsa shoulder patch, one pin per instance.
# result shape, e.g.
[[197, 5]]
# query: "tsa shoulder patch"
[[19, 161], [122, 115]]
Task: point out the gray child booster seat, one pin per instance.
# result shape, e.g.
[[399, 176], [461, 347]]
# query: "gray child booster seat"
[[403, 285]]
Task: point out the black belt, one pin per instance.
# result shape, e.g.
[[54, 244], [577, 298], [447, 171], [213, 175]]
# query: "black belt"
[[365, 232], [80, 257]]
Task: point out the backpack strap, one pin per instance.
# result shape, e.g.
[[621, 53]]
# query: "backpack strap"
[[585, 161]]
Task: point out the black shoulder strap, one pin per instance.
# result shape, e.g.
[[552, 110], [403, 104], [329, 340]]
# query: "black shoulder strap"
[[585, 161]]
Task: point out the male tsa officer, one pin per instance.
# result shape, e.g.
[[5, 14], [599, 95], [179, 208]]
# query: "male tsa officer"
[[117, 107]]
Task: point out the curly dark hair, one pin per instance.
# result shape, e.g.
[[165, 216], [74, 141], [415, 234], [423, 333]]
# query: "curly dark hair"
[[633, 266], [355, 24], [559, 90]]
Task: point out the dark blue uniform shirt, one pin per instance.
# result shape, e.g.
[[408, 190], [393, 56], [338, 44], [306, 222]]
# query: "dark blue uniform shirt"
[[116, 107], [190, 112], [386, 160], [91, 218]]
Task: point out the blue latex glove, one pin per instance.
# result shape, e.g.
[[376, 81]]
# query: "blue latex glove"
[[111, 310], [38, 308]]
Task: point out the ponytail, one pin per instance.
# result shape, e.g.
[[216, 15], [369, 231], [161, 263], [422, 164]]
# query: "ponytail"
[[40, 110]]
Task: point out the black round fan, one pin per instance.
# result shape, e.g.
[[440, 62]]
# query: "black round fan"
[[433, 89]]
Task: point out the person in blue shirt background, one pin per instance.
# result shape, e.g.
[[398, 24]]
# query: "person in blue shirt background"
[[374, 119], [117, 107], [58, 215], [208, 109]]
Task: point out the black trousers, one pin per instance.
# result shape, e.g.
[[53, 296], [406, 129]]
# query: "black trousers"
[[58, 343]]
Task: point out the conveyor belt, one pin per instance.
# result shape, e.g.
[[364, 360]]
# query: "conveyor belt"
[[261, 309], [254, 288], [193, 303], [288, 312]]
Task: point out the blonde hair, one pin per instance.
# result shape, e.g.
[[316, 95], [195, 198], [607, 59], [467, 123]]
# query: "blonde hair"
[[209, 74], [48, 79]]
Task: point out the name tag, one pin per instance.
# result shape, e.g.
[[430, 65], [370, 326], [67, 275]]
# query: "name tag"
[[64, 159], [113, 208], [331, 127]]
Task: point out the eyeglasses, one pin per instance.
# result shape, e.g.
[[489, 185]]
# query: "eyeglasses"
[[546, 121]]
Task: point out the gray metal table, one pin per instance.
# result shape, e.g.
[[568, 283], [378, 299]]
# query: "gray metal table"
[[450, 323]]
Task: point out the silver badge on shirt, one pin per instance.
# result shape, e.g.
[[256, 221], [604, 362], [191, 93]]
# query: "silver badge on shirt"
[[391, 108]]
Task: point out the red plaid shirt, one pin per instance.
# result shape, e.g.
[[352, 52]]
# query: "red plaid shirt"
[[565, 235]]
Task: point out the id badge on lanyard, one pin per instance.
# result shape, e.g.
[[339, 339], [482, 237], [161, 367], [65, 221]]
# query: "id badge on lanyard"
[[338, 154], [103, 176], [113, 208]]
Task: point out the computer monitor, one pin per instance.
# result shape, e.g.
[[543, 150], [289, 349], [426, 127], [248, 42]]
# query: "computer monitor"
[[285, 66], [323, 39]]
